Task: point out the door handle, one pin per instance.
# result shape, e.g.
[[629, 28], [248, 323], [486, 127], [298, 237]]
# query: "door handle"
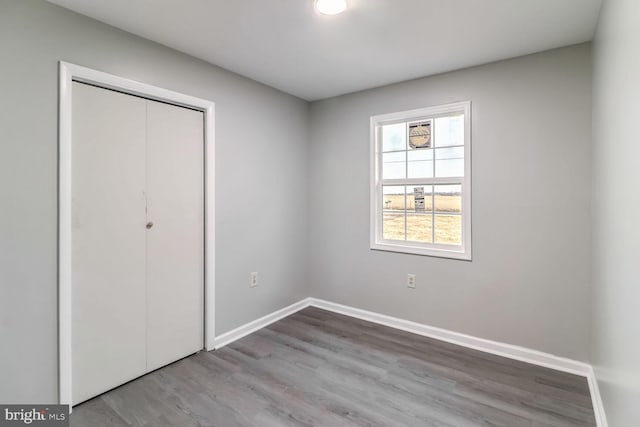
[[149, 225]]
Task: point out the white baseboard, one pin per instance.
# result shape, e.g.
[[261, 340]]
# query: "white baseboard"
[[488, 346], [596, 399], [246, 329], [494, 347]]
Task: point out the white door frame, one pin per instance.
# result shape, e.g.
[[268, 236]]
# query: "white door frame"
[[68, 74]]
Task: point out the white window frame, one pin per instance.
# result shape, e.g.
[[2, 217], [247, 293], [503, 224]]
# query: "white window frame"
[[377, 242]]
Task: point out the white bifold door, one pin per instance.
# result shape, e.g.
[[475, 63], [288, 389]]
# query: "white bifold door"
[[137, 237]]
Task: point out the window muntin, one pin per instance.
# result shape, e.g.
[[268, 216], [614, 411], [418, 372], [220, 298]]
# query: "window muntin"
[[421, 183]]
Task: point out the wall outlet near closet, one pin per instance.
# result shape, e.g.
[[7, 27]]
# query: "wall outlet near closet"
[[253, 281]]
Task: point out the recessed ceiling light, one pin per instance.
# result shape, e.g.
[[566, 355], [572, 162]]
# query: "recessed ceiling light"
[[331, 7]]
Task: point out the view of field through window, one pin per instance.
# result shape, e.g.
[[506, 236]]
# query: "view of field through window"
[[423, 212], [440, 222]]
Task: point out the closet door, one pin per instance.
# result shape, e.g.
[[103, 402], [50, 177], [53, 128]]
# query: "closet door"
[[108, 240], [175, 239]]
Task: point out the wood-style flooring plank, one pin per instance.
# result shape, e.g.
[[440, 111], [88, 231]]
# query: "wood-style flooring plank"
[[318, 368]]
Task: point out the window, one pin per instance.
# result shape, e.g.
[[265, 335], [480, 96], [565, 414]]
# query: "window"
[[421, 181]]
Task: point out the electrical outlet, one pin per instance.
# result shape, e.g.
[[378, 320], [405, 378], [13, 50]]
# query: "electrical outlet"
[[254, 279], [411, 281]]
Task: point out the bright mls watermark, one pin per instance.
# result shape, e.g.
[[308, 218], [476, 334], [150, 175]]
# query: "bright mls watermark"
[[35, 415]]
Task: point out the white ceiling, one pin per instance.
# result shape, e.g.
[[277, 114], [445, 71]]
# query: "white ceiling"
[[287, 45]]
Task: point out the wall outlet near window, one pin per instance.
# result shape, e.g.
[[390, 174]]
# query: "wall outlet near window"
[[254, 279], [411, 281]]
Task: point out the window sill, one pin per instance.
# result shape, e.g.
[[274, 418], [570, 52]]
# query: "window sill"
[[457, 253]]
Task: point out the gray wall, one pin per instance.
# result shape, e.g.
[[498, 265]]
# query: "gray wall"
[[261, 145], [529, 281], [616, 211]]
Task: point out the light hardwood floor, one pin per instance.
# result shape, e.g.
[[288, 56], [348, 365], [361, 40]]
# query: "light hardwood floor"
[[317, 368]]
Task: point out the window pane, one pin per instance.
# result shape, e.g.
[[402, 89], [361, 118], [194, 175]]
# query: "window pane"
[[419, 227], [419, 198], [448, 229], [420, 163], [393, 216], [449, 131], [420, 134], [419, 218], [394, 165], [449, 162], [448, 198], [394, 137]]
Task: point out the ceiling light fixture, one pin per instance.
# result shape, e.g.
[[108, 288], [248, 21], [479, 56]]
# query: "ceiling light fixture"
[[331, 7]]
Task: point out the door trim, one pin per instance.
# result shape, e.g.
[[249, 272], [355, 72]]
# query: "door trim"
[[67, 74]]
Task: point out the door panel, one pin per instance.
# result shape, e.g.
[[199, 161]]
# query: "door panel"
[[108, 240], [175, 243]]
